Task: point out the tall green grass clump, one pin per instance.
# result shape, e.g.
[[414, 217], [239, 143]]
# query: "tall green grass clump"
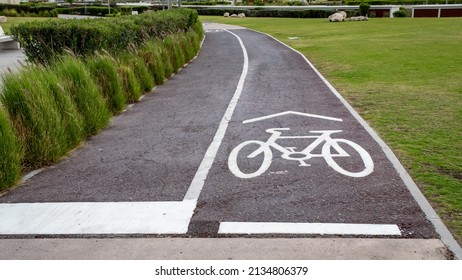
[[142, 74], [151, 54], [35, 117], [186, 42], [130, 84], [72, 119], [77, 81], [177, 57], [10, 154], [195, 36], [167, 59], [190, 42], [104, 71]]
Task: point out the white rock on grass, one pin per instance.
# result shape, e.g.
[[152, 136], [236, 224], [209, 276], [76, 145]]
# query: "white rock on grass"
[[337, 17], [360, 18], [241, 15], [3, 18], [226, 15], [233, 15]]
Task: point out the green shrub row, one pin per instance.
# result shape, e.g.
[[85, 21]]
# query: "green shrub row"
[[104, 10], [12, 10], [14, 13], [43, 40], [127, 10], [401, 2], [90, 10], [269, 13], [28, 8], [46, 111], [205, 3]]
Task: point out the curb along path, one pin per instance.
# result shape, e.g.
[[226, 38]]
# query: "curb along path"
[[246, 140]]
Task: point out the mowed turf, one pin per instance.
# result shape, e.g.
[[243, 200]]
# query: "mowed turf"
[[404, 76]]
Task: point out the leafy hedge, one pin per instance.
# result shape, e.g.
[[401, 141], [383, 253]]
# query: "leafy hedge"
[[103, 10], [45, 111], [127, 10], [90, 10], [28, 8], [205, 3], [12, 10], [268, 13], [402, 2], [41, 41]]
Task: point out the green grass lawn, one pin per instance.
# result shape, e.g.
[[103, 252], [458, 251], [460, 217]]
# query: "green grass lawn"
[[16, 20], [404, 76]]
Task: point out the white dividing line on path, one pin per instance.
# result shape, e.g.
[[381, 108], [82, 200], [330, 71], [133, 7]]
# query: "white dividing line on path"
[[198, 181], [96, 218], [308, 228]]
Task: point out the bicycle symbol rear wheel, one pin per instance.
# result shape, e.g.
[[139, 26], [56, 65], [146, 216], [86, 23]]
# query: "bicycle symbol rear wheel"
[[233, 159], [364, 155]]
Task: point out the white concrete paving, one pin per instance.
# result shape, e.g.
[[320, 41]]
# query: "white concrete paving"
[[9, 59]]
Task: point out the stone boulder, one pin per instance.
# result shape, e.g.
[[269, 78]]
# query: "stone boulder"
[[337, 17], [241, 15], [233, 15], [3, 19], [360, 18], [226, 15]]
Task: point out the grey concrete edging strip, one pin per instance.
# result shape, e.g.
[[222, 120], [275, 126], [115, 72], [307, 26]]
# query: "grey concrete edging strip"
[[432, 216], [224, 249]]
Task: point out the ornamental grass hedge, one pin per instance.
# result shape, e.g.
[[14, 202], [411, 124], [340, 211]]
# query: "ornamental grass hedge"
[[48, 108]]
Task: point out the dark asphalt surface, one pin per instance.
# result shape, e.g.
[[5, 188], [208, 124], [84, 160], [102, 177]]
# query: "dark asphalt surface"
[[152, 151]]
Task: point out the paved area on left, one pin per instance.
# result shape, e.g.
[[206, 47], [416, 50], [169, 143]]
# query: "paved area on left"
[[9, 59]]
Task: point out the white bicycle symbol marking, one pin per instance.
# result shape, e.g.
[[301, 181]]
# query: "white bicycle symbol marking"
[[289, 153]]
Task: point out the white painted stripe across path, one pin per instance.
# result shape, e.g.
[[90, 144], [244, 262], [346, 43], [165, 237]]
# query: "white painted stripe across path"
[[308, 228], [163, 217]]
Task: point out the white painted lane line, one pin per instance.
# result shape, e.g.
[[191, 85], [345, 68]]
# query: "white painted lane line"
[[96, 218], [308, 228], [198, 181]]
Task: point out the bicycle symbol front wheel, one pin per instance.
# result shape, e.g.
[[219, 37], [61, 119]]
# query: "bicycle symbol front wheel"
[[262, 147], [363, 154]]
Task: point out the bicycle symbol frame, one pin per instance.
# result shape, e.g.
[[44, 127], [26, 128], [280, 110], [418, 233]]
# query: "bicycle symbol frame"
[[289, 153]]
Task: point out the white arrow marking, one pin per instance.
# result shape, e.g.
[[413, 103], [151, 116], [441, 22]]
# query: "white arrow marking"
[[292, 113]]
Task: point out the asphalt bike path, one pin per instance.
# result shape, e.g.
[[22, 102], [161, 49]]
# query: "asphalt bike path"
[[246, 141], [283, 94]]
